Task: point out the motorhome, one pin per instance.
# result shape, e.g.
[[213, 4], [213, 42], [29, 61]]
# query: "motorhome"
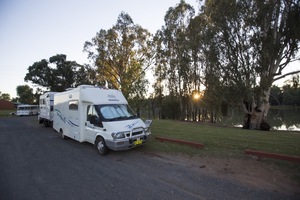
[[26, 110], [99, 116], [46, 108]]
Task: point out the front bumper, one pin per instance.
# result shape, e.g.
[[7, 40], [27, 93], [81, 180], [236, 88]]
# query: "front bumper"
[[127, 143]]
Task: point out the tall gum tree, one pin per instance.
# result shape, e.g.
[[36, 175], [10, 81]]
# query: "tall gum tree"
[[255, 41], [277, 41], [58, 74], [177, 51], [121, 55]]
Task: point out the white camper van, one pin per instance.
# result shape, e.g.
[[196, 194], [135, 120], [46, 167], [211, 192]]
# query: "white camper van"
[[26, 110], [99, 116], [46, 108]]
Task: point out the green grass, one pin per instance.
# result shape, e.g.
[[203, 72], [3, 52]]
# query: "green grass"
[[5, 113], [225, 141]]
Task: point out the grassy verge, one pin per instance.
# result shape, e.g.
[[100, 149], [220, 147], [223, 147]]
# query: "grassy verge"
[[5, 113], [225, 141]]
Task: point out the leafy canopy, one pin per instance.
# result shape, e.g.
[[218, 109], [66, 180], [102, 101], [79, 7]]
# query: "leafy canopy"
[[121, 55], [58, 74]]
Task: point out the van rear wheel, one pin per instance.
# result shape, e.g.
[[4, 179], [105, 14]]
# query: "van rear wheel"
[[62, 134], [101, 146], [46, 123]]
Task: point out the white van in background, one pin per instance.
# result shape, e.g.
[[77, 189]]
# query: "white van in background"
[[46, 108], [27, 110], [99, 116]]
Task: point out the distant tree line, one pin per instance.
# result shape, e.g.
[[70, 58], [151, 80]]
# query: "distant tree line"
[[5, 96], [202, 64], [288, 95], [25, 95]]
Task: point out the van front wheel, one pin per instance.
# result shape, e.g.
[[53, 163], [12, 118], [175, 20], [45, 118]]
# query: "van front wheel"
[[101, 146]]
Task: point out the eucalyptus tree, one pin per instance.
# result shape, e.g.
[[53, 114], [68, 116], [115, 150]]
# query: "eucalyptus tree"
[[5, 96], [177, 55], [160, 70], [198, 43], [204, 68], [255, 41], [57, 74], [122, 54], [277, 42], [25, 94]]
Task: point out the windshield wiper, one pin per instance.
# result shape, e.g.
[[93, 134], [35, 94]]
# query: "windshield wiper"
[[119, 118], [132, 117]]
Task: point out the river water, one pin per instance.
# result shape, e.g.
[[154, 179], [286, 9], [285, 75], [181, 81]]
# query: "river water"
[[279, 119]]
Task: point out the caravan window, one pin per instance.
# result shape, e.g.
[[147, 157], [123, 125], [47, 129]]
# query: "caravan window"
[[42, 102], [73, 105]]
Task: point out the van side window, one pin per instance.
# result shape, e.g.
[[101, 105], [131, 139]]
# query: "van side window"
[[93, 117], [73, 105]]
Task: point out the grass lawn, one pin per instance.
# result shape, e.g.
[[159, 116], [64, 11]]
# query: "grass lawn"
[[222, 141], [5, 113]]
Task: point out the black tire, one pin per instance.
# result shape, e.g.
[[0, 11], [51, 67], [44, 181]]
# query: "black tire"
[[101, 146], [45, 123], [62, 134]]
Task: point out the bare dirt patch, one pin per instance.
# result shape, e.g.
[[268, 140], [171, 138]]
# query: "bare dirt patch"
[[250, 172]]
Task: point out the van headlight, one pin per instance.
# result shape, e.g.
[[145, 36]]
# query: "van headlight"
[[119, 135], [147, 131]]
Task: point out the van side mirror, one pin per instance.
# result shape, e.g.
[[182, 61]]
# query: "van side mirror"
[[148, 123], [92, 120], [96, 121]]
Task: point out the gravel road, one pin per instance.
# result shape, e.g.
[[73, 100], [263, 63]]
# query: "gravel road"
[[35, 163]]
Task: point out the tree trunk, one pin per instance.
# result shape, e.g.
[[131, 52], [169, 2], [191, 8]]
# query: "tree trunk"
[[256, 113]]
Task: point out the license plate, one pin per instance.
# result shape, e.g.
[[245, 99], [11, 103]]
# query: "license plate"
[[138, 142]]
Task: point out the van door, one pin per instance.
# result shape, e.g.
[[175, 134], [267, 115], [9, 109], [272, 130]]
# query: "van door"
[[91, 124], [72, 119]]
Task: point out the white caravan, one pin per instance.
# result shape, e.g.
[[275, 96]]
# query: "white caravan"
[[25, 109], [46, 103], [99, 116]]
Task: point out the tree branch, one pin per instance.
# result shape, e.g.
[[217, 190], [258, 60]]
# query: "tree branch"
[[287, 74]]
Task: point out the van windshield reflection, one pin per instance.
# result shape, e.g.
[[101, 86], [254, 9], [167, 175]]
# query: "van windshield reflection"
[[115, 112]]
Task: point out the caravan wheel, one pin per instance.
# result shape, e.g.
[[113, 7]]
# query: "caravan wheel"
[[46, 123], [62, 134], [101, 146]]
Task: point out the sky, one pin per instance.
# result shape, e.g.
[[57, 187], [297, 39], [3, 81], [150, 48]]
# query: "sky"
[[32, 30]]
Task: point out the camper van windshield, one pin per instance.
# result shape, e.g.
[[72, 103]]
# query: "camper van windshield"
[[115, 112]]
